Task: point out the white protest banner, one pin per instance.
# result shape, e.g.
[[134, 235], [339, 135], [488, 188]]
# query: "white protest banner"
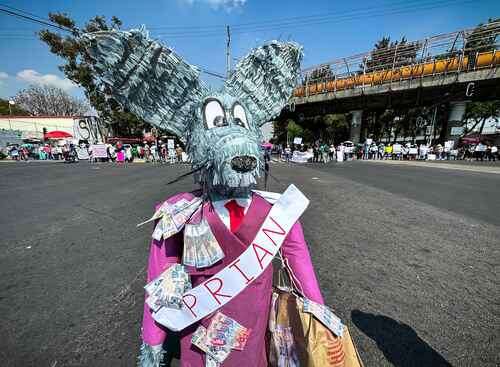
[[170, 143], [99, 151], [221, 288], [82, 153], [297, 140], [301, 157]]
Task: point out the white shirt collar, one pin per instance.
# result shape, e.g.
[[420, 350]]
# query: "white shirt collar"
[[222, 211]]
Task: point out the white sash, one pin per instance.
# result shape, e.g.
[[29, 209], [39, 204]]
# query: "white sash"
[[234, 278]]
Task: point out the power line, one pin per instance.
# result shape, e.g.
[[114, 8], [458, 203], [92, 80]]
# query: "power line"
[[243, 25], [331, 20], [212, 73], [25, 12], [406, 6], [32, 19]]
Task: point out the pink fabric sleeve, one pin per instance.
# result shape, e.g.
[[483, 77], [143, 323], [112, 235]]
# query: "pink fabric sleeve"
[[296, 253], [162, 255]]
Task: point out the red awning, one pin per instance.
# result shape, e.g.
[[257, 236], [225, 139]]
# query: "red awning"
[[57, 134]]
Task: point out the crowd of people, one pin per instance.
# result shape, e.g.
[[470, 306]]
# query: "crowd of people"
[[155, 153], [324, 153], [118, 152]]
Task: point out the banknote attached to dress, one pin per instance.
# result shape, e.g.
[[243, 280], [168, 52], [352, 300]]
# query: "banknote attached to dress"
[[172, 217], [325, 316], [167, 289], [201, 248], [223, 335]]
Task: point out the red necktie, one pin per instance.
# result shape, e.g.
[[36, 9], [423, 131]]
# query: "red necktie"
[[236, 214]]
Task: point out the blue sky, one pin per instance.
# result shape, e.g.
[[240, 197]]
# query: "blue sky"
[[195, 29]]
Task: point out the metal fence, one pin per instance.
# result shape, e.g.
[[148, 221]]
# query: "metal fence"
[[456, 52]]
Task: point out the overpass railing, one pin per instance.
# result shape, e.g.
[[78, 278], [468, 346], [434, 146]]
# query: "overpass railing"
[[456, 52]]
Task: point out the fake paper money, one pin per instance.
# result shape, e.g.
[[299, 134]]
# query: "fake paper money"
[[325, 316], [222, 335], [285, 346], [224, 331], [201, 248], [167, 289], [216, 353], [210, 362], [172, 217]]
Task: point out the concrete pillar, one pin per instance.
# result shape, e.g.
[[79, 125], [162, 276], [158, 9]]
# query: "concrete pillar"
[[355, 125], [457, 112]]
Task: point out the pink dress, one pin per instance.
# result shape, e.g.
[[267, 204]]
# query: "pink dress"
[[251, 307], [120, 156]]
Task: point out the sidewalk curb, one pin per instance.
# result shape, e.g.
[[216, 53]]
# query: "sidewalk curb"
[[430, 164]]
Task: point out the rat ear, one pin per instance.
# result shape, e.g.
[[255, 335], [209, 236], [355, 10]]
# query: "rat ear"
[[264, 79], [145, 77]]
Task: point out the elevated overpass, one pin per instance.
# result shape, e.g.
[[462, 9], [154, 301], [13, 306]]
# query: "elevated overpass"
[[450, 68]]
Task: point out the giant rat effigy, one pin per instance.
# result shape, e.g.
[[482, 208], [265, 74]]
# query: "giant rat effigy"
[[210, 273]]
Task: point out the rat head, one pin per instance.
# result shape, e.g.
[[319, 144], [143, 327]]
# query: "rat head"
[[225, 141], [221, 128]]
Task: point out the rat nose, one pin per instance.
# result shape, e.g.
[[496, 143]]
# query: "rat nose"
[[243, 163]]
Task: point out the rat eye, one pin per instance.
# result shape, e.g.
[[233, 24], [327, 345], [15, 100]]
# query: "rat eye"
[[239, 115], [213, 114]]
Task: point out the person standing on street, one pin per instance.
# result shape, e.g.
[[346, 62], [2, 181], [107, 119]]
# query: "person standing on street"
[[366, 148], [288, 154], [128, 154], [494, 152], [331, 153], [381, 151], [178, 153], [480, 150], [340, 153]]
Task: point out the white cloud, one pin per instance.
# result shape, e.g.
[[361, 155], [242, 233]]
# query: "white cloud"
[[227, 5], [3, 75], [34, 77]]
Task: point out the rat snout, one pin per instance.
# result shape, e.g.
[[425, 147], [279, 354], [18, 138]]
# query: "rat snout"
[[244, 163]]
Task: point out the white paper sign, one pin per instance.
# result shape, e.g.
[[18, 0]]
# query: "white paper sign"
[[230, 281], [297, 140], [301, 157], [99, 151], [82, 153]]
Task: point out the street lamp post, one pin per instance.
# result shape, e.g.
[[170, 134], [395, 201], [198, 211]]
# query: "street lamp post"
[[11, 102]]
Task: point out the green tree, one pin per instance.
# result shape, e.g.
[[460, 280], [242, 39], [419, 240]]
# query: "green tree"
[[16, 110], [77, 67], [336, 128], [294, 130], [479, 112], [385, 54], [321, 72], [483, 38], [50, 101]]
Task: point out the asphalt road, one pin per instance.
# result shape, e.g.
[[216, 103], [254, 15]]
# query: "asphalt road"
[[407, 257]]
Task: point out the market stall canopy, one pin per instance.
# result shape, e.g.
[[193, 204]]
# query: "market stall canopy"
[[57, 134]]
